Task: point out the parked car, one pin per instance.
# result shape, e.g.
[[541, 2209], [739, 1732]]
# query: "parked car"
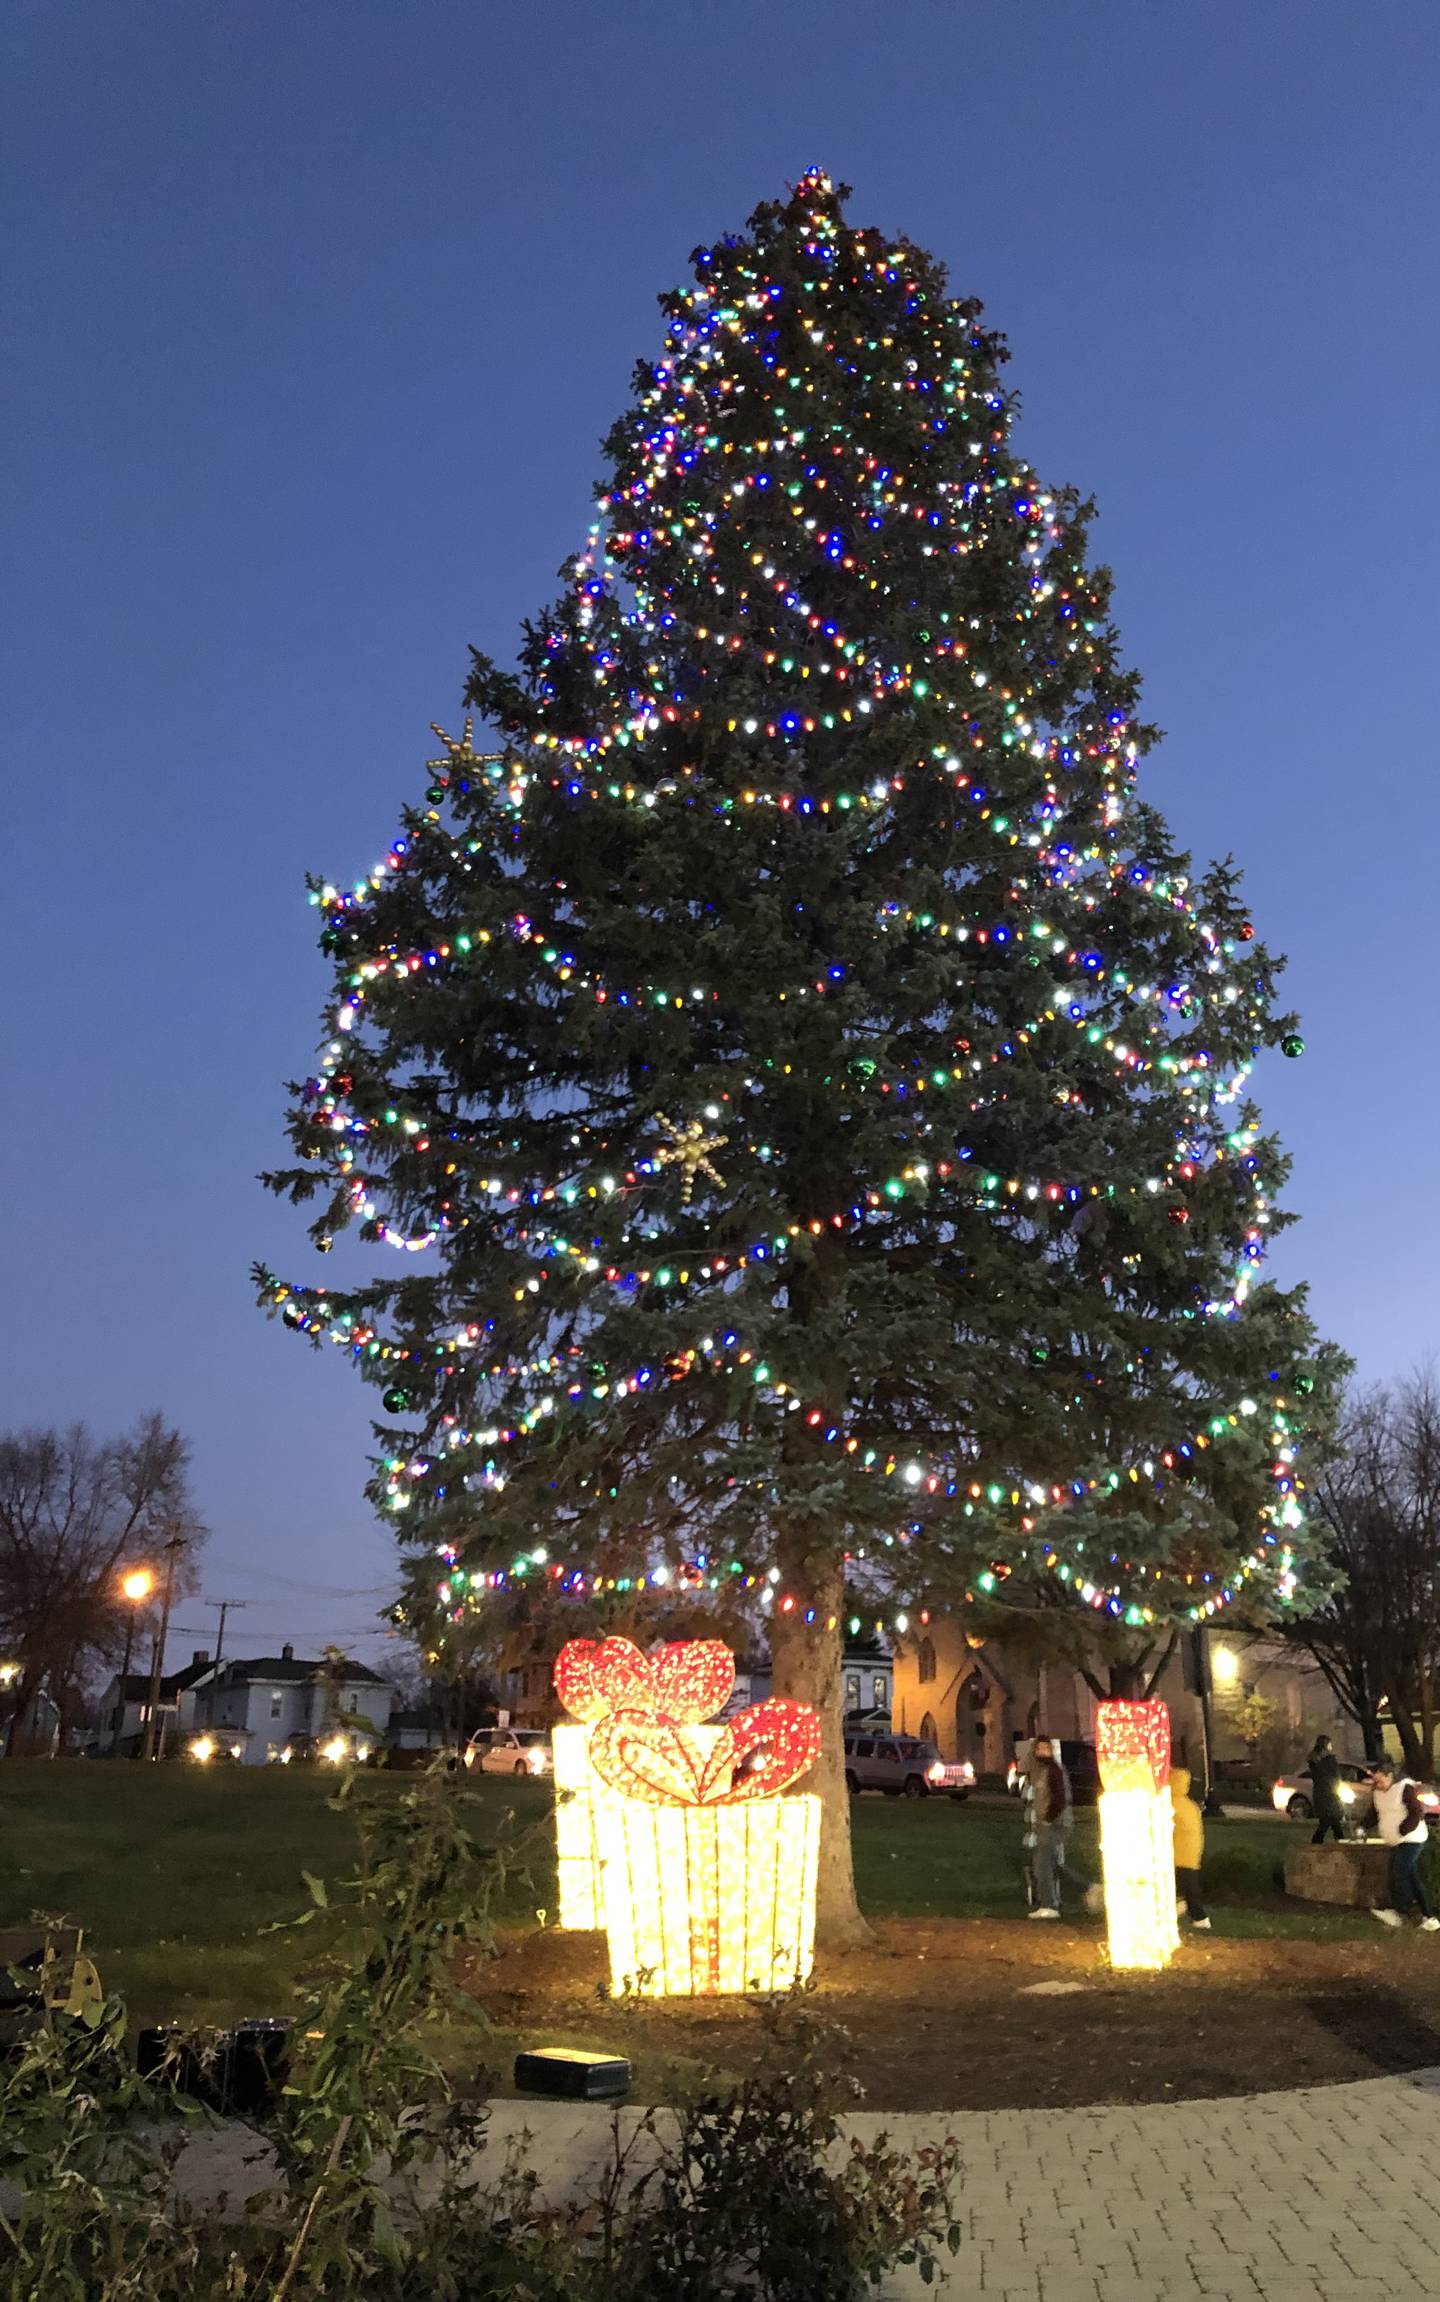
[[332, 1748], [509, 1750], [903, 1766], [1291, 1794], [1079, 1762]]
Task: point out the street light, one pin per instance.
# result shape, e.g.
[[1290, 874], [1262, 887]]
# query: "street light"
[[151, 1747], [135, 1586]]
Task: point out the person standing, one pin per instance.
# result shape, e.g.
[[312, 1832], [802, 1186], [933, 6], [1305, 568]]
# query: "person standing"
[[1323, 1768], [1189, 1825], [1402, 1826], [1050, 1811]]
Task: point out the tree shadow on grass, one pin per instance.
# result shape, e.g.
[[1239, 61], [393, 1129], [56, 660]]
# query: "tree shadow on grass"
[[1379, 2025]]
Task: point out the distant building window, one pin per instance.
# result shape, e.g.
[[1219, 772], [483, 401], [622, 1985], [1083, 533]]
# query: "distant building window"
[[352, 1701], [852, 1690], [277, 1702], [925, 1660], [881, 1692], [927, 1728]]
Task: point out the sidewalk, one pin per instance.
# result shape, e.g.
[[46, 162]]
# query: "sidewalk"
[[1271, 2198]]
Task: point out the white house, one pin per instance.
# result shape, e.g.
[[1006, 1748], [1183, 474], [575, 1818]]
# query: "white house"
[[124, 1707], [866, 1672], [265, 1701]]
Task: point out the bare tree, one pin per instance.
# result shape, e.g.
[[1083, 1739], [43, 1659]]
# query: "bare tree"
[[74, 1511], [1377, 1637]]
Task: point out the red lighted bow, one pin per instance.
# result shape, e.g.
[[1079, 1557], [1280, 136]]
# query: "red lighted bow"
[[756, 1755], [644, 1710], [679, 1684]]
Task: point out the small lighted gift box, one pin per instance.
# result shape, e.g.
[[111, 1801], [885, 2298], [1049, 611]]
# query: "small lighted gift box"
[[1137, 1847], [704, 1873]]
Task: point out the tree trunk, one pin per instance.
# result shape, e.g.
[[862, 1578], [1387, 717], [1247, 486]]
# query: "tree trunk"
[[1162, 1666], [1402, 1719], [806, 1659], [26, 1689], [1428, 1722]]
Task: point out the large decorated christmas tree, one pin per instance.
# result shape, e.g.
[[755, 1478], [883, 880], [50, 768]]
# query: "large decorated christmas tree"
[[793, 1082]]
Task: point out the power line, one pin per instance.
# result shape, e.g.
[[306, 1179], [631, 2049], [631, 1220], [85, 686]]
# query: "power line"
[[295, 1583]]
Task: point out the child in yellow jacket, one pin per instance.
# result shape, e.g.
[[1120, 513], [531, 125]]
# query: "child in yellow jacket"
[[1189, 1847]]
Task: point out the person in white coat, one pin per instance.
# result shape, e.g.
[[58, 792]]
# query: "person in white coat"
[[1403, 1828]]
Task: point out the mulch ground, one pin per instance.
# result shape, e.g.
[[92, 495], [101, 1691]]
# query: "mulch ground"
[[942, 2015]]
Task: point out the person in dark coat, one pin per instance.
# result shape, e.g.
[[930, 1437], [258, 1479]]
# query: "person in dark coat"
[[1323, 1768], [1049, 1813]]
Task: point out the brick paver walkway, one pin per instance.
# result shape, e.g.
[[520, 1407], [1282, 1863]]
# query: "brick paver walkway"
[[1323, 2196]]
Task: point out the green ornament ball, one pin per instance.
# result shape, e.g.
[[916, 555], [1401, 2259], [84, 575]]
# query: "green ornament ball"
[[1292, 1044], [1304, 1383], [395, 1401], [292, 1315], [1039, 1352], [435, 794]]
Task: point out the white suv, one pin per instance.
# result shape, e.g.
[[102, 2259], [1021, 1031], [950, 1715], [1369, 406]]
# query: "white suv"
[[903, 1766], [509, 1750]]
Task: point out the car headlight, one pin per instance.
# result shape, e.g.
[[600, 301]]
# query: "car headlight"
[[936, 1770], [1347, 1794]]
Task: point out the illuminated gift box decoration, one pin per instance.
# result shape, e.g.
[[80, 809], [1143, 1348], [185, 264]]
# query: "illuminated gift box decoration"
[[1137, 1845], [704, 1875], [680, 1683]]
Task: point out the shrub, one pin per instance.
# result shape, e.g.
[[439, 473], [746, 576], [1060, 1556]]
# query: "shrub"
[[385, 2192]]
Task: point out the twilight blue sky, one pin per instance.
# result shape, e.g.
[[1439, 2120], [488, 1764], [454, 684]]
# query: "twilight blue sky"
[[317, 310]]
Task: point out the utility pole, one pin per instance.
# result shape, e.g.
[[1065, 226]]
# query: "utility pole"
[[226, 1607], [172, 1549]]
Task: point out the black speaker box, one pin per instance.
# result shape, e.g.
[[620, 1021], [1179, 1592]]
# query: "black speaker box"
[[575, 2077]]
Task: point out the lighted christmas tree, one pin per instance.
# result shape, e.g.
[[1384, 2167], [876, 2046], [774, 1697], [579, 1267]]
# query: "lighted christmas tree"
[[803, 1085]]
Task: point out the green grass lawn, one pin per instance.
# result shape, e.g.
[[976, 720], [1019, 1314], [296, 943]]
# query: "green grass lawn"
[[175, 1872], [942, 1860]]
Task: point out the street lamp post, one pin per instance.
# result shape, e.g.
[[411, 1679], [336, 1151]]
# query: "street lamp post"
[[173, 1549], [136, 1587]]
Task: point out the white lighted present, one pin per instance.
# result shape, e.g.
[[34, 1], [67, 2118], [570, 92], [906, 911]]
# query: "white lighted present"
[[676, 1835], [1137, 1832], [680, 1683]]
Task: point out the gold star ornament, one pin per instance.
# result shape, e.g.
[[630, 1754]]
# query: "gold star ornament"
[[460, 750], [689, 1149]]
